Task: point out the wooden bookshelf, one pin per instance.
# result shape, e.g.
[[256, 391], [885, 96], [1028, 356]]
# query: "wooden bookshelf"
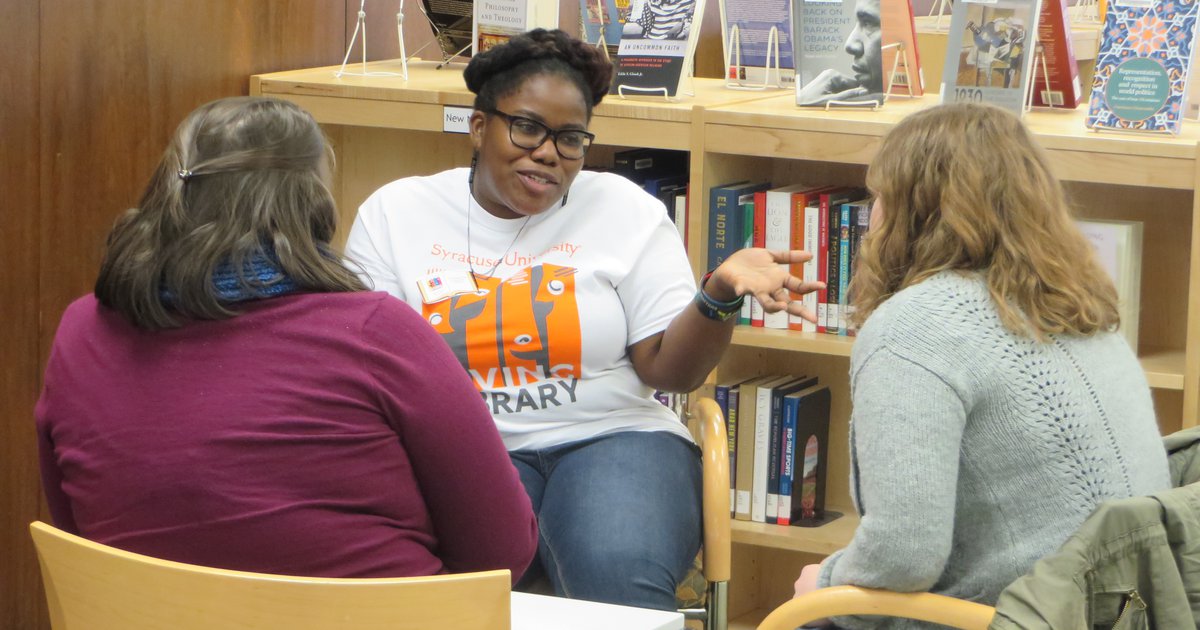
[[385, 128]]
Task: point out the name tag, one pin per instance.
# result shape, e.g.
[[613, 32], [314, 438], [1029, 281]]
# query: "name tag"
[[436, 287]]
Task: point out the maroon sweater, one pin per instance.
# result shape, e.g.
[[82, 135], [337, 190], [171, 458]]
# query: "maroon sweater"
[[330, 435]]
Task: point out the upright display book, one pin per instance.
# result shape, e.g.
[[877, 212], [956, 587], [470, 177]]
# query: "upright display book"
[[989, 52], [601, 22], [751, 51], [657, 46], [1060, 72], [838, 54], [496, 21], [1142, 66], [900, 26], [452, 24]]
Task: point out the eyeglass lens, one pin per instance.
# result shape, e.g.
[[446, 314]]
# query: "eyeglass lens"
[[530, 134]]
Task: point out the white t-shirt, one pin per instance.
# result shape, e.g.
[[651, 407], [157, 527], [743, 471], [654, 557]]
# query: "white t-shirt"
[[573, 288]]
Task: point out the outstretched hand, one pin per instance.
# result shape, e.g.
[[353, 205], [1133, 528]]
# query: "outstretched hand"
[[763, 275]]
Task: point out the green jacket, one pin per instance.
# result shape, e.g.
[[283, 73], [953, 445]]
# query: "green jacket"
[[1133, 565]]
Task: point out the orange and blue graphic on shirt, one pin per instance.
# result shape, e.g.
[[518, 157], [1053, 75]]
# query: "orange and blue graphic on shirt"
[[518, 332]]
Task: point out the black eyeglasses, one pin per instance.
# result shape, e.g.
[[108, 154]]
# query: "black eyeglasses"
[[529, 134]]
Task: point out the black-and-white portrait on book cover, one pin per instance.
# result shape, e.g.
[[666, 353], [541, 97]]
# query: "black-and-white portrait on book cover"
[[840, 52]]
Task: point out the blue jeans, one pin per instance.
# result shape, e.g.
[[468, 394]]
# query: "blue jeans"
[[618, 516]]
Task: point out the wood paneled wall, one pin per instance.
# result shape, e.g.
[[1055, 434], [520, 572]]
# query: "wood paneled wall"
[[20, 491], [90, 91]]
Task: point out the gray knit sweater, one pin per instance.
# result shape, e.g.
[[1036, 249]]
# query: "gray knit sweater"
[[975, 451]]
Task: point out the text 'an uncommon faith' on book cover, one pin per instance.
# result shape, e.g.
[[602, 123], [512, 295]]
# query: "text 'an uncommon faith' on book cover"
[[989, 52], [839, 56], [657, 45], [1142, 66]]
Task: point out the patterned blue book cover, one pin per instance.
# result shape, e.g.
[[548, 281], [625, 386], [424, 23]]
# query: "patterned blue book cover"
[[1142, 65]]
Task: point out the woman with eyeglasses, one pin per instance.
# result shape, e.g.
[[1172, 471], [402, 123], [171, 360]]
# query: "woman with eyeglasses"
[[568, 298]]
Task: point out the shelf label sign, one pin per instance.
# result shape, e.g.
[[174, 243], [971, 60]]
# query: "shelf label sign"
[[456, 119]]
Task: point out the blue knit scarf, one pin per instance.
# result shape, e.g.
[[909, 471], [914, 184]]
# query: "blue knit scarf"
[[262, 273]]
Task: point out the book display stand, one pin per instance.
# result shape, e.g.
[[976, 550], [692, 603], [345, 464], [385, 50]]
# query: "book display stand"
[[735, 60], [875, 104], [361, 25], [902, 52], [1039, 59], [938, 11], [634, 92]]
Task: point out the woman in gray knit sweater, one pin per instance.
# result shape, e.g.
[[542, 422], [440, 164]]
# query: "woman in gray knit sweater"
[[994, 406]]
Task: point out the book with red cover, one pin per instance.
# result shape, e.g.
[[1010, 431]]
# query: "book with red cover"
[[899, 26], [1054, 34]]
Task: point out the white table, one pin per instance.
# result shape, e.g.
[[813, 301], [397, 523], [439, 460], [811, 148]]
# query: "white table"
[[542, 612]]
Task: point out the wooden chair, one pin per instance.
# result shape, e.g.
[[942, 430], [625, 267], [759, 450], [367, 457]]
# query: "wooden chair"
[[710, 435], [852, 600], [93, 586]]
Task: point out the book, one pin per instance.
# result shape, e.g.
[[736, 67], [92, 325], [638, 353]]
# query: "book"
[[899, 25], [1118, 246], [778, 224], [802, 496], [775, 441], [639, 165], [1142, 65], [838, 54], [758, 239], [752, 51], [860, 222], [989, 52], [751, 234], [851, 215], [806, 222], [600, 22], [724, 222], [726, 396], [453, 25], [1058, 84], [681, 213], [497, 21], [762, 445], [747, 421], [658, 43], [830, 229]]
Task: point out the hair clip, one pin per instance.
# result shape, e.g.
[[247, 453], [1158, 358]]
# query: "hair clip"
[[184, 174]]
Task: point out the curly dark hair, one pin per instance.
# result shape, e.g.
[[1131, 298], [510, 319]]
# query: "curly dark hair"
[[500, 71]]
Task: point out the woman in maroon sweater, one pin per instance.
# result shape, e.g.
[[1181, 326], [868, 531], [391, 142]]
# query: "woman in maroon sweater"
[[233, 397]]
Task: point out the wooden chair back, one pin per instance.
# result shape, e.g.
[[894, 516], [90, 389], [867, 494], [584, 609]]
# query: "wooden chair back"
[[96, 587], [714, 448], [852, 600]]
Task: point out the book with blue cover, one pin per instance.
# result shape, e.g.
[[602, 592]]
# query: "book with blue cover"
[[751, 51], [1142, 65]]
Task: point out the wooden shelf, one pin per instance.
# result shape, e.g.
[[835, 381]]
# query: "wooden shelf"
[[417, 103], [793, 341], [1164, 367], [776, 127], [822, 540], [750, 620]]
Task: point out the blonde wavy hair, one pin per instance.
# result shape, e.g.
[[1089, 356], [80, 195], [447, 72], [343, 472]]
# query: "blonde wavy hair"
[[964, 187]]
